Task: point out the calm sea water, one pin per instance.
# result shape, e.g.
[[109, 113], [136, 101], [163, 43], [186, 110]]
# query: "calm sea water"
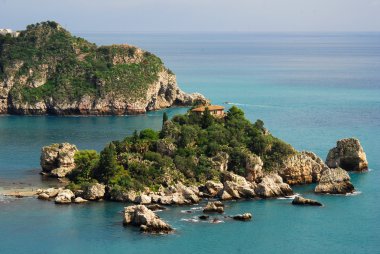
[[310, 90]]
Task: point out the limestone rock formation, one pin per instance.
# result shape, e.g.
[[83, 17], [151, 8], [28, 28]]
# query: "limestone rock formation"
[[334, 181], [64, 197], [212, 188], [253, 168], [348, 154], [214, 207], [79, 200], [147, 220], [143, 199], [58, 159], [236, 187], [298, 200], [220, 161], [302, 168], [94, 191], [272, 186]]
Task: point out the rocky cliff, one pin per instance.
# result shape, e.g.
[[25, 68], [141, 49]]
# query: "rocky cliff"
[[46, 70]]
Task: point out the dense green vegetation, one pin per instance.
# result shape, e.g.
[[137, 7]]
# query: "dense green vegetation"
[[71, 67], [183, 150]]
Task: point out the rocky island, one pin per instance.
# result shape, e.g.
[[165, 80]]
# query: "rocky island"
[[195, 157], [46, 70]]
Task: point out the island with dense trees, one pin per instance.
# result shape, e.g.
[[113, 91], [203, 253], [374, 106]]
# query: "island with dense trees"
[[195, 157], [46, 70]]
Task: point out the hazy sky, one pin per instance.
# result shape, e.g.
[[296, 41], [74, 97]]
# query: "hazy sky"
[[195, 15]]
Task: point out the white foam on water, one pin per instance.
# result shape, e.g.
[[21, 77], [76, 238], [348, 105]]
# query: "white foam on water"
[[190, 220], [186, 211], [216, 221], [251, 105], [198, 208], [355, 193], [289, 197]]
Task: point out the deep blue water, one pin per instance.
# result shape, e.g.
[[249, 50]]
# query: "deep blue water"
[[310, 90]]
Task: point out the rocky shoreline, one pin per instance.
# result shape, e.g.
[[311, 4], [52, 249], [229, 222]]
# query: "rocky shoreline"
[[302, 168]]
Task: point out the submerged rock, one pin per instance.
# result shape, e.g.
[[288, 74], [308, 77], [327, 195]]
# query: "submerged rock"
[[243, 217], [58, 159], [334, 181], [203, 217], [272, 186], [348, 154], [147, 220], [64, 197], [214, 207], [305, 201]]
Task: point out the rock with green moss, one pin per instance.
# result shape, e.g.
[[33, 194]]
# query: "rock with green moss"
[[46, 70]]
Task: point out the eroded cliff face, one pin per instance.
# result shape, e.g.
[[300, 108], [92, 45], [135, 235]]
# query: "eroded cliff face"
[[46, 70]]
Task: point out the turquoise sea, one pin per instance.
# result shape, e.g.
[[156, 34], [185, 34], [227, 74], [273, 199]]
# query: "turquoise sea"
[[309, 89]]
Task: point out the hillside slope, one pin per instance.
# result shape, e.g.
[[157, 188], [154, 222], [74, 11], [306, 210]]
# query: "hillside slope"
[[46, 70]]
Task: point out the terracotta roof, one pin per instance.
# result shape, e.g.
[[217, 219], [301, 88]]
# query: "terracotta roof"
[[211, 107]]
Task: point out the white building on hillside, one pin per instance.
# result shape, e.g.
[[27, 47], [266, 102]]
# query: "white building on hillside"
[[5, 31]]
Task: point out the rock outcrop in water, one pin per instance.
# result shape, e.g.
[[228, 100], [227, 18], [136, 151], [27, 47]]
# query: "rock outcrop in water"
[[305, 201], [272, 186], [335, 181], [58, 159], [46, 70], [302, 168], [348, 154], [147, 220]]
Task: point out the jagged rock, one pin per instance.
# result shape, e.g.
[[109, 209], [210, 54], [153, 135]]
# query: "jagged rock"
[[79, 200], [253, 167], [232, 189], [189, 193], [64, 197], [214, 207], [220, 161], [143, 199], [156, 207], [147, 220], [348, 154], [94, 191], [203, 217], [235, 187], [58, 159], [243, 217], [213, 188], [273, 186], [43, 196], [224, 195], [305, 201], [334, 181], [302, 168]]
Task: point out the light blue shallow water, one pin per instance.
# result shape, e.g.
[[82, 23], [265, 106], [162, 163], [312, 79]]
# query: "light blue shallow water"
[[310, 90]]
